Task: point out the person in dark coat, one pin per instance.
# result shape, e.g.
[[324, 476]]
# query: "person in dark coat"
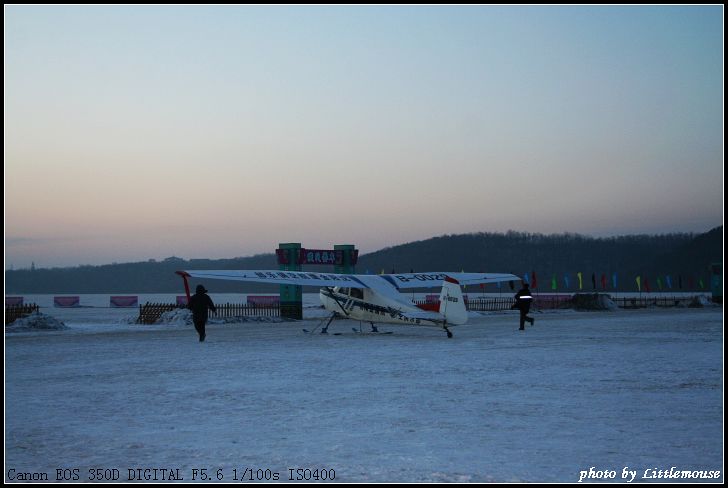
[[200, 302], [523, 303]]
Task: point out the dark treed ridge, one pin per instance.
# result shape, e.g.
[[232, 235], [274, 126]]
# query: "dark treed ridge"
[[677, 255]]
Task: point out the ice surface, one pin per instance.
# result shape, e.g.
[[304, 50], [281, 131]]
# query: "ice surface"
[[638, 389]]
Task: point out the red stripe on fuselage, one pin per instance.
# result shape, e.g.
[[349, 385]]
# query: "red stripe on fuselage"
[[430, 306]]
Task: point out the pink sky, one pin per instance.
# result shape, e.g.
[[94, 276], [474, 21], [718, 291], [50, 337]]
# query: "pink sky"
[[134, 133]]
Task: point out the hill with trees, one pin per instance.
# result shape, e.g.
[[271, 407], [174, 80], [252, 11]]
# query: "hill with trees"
[[683, 257]]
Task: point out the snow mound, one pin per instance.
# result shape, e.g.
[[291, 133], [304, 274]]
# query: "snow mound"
[[594, 301], [35, 321], [183, 316], [700, 301], [178, 316]]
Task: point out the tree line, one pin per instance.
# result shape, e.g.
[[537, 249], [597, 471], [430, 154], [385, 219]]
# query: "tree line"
[[547, 255]]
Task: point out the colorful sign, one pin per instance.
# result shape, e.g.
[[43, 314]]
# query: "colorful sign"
[[321, 256], [316, 256]]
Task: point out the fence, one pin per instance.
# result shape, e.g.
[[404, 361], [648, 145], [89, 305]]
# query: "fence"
[[247, 310], [498, 304], [475, 304], [548, 302], [489, 304], [14, 312], [149, 313], [644, 302]]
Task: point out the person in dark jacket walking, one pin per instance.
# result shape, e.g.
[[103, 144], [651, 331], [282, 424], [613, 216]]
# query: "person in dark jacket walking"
[[200, 302], [523, 303]]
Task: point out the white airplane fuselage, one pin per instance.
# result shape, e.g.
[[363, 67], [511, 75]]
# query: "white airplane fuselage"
[[368, 306]]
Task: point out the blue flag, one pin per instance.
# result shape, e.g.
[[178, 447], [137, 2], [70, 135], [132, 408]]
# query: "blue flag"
[[614, 280], [566, 280]]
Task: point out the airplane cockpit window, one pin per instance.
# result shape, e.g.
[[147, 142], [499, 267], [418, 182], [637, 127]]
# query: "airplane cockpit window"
[[357, 293]]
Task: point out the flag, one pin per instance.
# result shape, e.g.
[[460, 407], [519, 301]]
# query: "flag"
[[668, 281], [679, 281], [604, 281], [702, 285], [614, 280], [659, 283], [639, 284], [525, 278], [566, 281], [578, 275], [647, 285], [553, 283], [594, 281], [534, 282]]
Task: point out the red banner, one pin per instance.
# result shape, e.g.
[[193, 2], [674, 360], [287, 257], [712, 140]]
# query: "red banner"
[[66, 301], [124, 301], [264, 299], [282, 256]]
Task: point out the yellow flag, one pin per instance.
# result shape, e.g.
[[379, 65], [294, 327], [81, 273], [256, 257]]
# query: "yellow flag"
[[578, 275], [639, 283]]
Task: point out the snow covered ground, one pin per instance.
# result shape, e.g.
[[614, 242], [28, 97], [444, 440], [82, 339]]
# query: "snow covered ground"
[[640, 390]]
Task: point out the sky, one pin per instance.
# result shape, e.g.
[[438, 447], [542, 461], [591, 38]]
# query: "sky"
[[143, 132]]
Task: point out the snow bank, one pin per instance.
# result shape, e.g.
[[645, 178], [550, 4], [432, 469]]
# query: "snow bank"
[[179, 316], [594, 301], [492, 404], [700, 301], [35, 321]]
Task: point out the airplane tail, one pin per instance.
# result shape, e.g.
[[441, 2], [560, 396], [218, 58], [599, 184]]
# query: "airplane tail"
[[452, 304]]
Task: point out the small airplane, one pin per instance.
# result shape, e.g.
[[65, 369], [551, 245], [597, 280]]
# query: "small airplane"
[[373, 298]]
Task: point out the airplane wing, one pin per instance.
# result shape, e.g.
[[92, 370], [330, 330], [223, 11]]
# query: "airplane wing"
[[300, 278], [379, 282], [434, 280]]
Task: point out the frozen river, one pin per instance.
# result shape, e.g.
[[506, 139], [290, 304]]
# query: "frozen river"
[[641, 390]]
